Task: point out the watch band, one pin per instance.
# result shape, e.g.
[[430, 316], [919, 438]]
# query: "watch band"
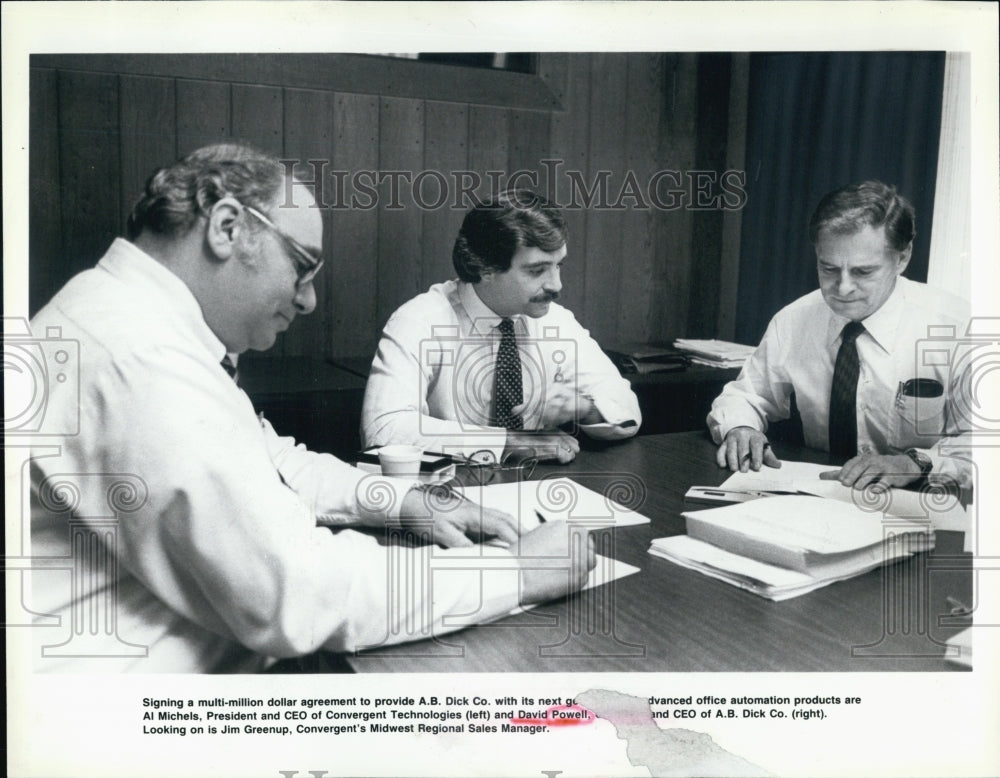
[[922, 461]]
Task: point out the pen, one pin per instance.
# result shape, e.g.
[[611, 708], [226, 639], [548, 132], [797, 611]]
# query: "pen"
[[958, 608]]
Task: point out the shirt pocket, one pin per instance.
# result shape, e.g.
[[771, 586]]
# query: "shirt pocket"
[[918, 421]]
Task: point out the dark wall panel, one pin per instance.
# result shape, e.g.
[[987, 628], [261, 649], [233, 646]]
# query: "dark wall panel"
[[101, 124], [353, 266], [148, 136], [446, 154], [637, 262], [203, 114], [672, 281], [605, 227], [45, 215], [570, 134], [308, 134], [89, 167], [401, 150]]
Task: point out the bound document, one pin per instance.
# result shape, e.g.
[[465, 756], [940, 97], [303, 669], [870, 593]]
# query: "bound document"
[[785, 546]]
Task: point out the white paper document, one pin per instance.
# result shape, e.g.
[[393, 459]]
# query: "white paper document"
[[605, 571], [556, 499], [945, 511]]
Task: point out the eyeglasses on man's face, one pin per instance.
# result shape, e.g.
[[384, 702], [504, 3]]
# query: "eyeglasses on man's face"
[[306, 264]]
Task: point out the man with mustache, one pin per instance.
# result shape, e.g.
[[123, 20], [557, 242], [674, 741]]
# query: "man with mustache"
[[849, 353], [489, 362]]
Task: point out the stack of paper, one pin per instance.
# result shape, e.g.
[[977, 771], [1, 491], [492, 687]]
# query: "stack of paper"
[[781, 547], [716, 353]]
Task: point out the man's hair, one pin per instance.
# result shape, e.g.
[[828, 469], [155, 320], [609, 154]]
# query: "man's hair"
[[493, 231], [176, 196], [870, 203]]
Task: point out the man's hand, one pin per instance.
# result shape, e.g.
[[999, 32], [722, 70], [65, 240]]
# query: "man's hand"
[[563, 404], [746, 449], [455, 519], [541, 446], [888, 469], [556, 559]]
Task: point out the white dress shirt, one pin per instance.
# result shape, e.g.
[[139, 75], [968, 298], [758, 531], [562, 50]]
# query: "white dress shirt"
[[798, 353], [431, 382], [210, 562]]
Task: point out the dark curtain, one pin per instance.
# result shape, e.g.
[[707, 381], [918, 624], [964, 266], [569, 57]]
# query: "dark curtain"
[[817, 121]]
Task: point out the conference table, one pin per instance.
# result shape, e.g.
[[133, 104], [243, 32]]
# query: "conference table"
[[669, 618]]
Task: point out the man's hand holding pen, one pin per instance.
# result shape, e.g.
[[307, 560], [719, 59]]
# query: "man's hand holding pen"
[[746, 449], [555, 557]]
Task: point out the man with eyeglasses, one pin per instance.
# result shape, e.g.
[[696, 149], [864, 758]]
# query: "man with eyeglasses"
[[219, 559]]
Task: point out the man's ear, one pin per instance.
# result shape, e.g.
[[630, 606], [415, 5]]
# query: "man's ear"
[[904, 258], [223, 227]]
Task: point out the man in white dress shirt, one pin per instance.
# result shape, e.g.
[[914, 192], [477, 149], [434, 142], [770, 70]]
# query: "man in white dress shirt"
[[850, 353], [438, 378], [196, 532]]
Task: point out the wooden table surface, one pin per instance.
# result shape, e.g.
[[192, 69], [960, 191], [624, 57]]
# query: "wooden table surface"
[[668, 618]]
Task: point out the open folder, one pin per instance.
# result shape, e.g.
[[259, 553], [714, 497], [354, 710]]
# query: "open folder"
[[785, 546]]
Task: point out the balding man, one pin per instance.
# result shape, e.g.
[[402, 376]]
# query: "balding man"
[[221, 560]]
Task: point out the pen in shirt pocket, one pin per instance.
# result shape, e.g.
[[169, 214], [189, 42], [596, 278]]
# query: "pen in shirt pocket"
[[923, 388]]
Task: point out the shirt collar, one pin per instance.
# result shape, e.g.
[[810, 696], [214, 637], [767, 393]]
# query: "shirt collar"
[[126, 261], [484, 320], [881, 325]]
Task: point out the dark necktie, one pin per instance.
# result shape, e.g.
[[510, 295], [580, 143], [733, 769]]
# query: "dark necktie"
[[234, 373], [507, 390], [229, 367], [844, 394]]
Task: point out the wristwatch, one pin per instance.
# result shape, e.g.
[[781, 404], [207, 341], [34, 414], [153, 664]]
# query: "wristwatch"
[[922, 461]]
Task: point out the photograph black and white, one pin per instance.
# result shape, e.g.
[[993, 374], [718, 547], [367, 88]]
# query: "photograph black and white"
[[506, 402]]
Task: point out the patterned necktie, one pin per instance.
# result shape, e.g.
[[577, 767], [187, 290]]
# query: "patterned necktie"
[[229, 367], [844, 394], [507, 389]]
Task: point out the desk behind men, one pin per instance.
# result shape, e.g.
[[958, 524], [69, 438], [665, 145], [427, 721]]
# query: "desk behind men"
[[667, 618]]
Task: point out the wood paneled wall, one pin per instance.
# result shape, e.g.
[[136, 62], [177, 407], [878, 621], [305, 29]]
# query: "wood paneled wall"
[[100, 127]]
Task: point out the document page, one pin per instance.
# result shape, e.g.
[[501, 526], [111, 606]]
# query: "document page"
[[944, 511], [555, 499]]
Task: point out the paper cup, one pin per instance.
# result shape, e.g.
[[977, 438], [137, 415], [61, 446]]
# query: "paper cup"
[[401, 461]]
